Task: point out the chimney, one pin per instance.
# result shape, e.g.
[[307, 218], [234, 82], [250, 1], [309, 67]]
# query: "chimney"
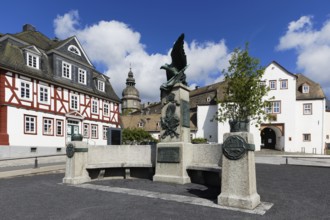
[[28, 27]]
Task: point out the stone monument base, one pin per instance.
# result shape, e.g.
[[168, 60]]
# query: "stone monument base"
[[75, 172], [171, 162], [238, 181]]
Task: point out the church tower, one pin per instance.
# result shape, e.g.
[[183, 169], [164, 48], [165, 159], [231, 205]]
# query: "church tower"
[[130, 97]]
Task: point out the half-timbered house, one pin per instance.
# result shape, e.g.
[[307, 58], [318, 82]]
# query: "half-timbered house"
[[49, 90]]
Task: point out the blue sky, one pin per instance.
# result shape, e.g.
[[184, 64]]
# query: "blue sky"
[[117, 34]]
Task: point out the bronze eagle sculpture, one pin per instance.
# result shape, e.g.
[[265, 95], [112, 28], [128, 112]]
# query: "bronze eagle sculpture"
[[175, 70]]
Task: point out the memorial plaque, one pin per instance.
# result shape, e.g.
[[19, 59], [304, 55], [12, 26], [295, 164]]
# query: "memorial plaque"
[[185, 113], [168, 155]]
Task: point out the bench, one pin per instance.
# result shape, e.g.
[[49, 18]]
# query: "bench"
[[124, 170], [206, 174]]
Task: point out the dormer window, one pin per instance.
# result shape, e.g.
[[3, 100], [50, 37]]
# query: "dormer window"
[[140, 124], [305, 88], [32, 60], [74, 49], [82, 76], [66, 70], [100, 85]]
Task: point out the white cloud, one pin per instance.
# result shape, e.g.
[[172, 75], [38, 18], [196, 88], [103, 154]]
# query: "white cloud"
[[312, 47], [116, 46]]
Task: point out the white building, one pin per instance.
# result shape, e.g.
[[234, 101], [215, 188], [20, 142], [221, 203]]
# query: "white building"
[[299, 110], [49, 90]]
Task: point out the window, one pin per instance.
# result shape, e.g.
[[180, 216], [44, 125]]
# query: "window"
[[48, 126], [272, 84], [307, 109], [275, 107], [30, 124], [66, 70], [86, 130], [106, 109], [26, 90], [262, 83], [82, 76], [94, 106], [306, 137], [140, 124], [32, 60], [74, 102], [74, 49], [59, 127], [43, 94], [94, 131], [305, 88], [100, 85], [284, 84], [105, 129]]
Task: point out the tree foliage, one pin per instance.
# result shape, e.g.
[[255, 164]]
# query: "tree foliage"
[[136, 136], [243, 95]]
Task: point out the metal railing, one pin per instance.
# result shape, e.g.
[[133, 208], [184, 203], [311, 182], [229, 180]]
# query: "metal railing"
[[36, 165]]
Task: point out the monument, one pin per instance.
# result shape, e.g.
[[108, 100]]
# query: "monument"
[[238, 179], [173, 152]]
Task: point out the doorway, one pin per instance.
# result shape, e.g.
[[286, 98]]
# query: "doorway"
[[268, 138], [72, 128]]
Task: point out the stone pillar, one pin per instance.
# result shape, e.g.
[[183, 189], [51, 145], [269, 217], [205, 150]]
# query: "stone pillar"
[[174, 150], [76, 161], [238, 179]]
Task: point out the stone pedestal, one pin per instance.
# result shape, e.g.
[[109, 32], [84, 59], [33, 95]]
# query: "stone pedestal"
[[171, 162], [75, 171], [238, 181], [174, 151]]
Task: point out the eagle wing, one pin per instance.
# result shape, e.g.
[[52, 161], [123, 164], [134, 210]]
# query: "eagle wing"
[[179, 59]]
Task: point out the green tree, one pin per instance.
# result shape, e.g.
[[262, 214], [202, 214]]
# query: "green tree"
[[243, 95], [136, 136]]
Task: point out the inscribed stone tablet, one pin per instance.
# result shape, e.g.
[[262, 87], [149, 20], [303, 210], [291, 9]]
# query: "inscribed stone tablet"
[[168, 155]]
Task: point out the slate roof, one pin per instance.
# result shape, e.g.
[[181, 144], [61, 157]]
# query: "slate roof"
[[12, 58], [315, 90]]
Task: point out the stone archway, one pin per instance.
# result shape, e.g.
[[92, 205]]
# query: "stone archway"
[[268, 138], [272, 136]]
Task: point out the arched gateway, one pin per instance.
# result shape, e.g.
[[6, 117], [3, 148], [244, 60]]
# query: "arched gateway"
[[272, 136]]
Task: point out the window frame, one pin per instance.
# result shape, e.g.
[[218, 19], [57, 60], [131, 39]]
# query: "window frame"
[[104, 133], [86, 129], [309, 137], [74, 49], [32, 60], [43, 92], [96, 131], [23, 88], [270, 84], [66, 69], [34, 123], [62, 127], [51, 132], [271, 109], [310, 109], [95, 101], [106, 113], [82, 72], [101, 85], [305, 88], [286, 83], [73, 100]]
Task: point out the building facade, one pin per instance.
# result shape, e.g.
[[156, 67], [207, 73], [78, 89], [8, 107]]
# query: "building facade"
[[49, 90], [299, 115], [299, 110]]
